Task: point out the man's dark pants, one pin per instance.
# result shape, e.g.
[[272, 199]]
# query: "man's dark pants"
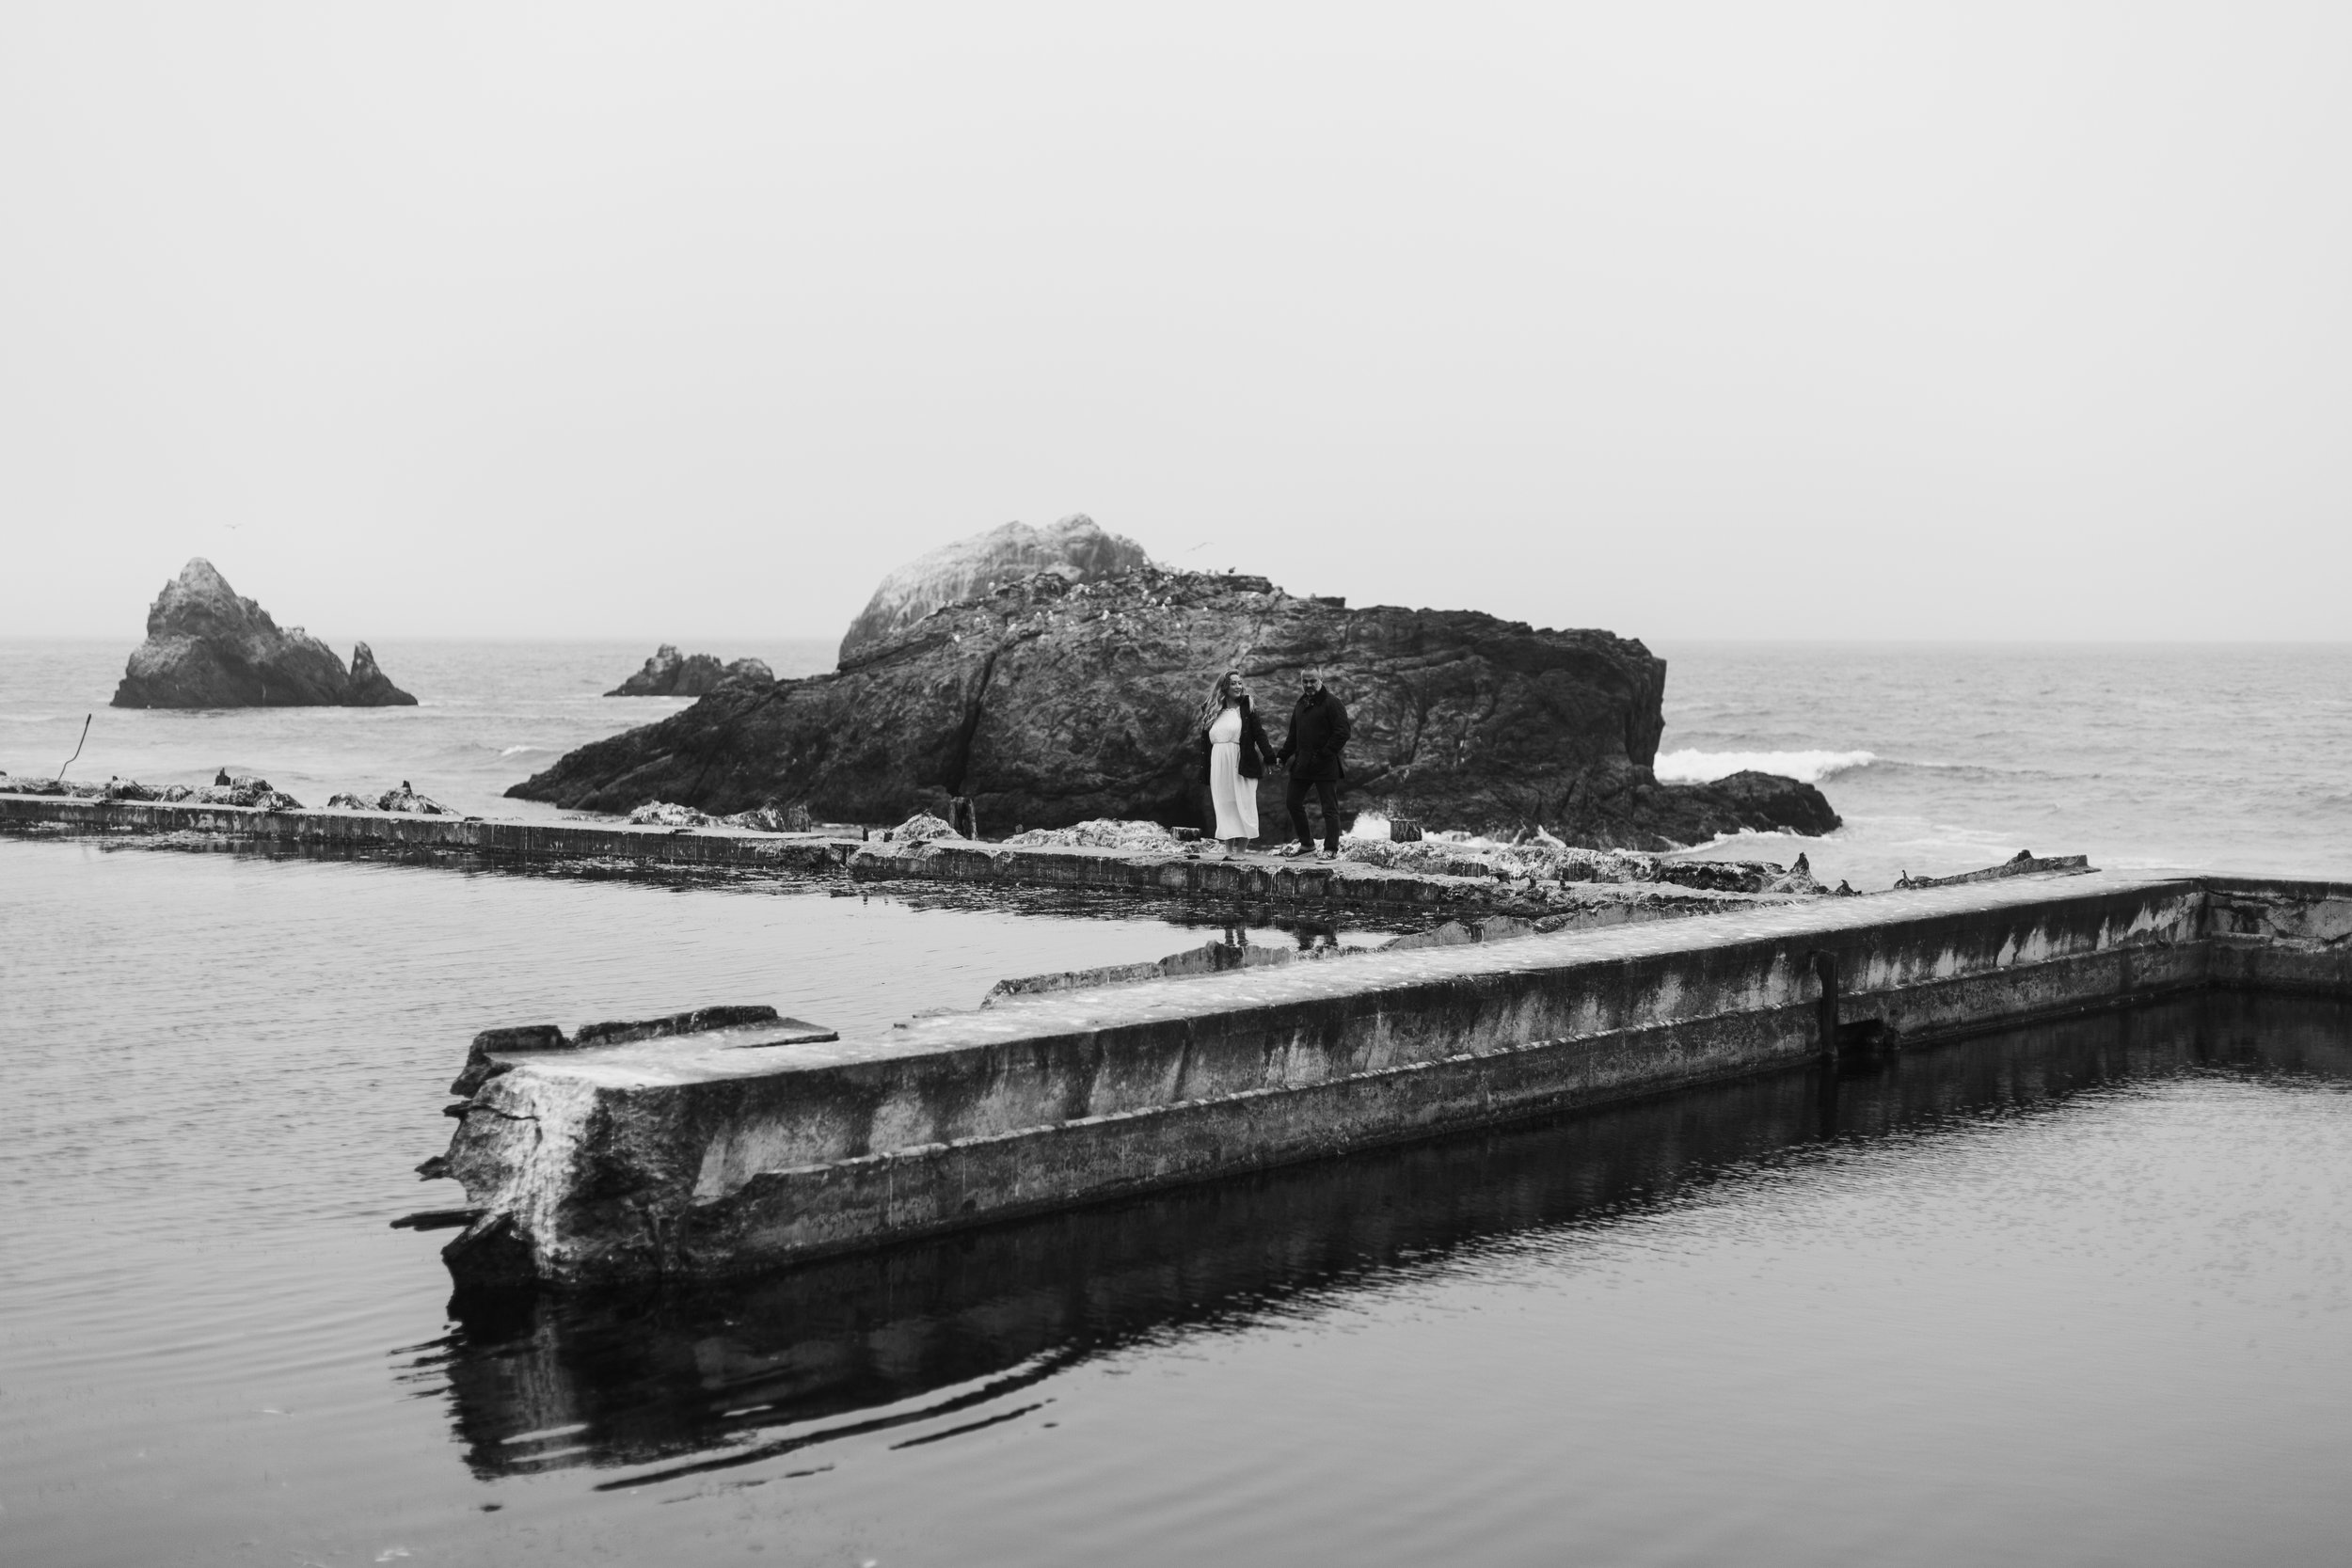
[[1327, 793]]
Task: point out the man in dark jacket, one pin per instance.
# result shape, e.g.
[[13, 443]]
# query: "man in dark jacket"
[[1318, 731]]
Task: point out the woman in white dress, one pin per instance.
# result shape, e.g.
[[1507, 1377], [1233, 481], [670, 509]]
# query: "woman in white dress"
[[1233, 754]]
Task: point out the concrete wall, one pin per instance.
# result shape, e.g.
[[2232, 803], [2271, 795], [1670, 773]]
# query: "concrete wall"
[[1342, 886], [889, 1332], [362, 831], [2276, 935], [665, 1161]]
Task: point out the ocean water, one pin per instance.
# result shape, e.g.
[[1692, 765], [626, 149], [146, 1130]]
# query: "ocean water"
[[489, 715], [2077, 1294], [1941, 758], [2229, 757]]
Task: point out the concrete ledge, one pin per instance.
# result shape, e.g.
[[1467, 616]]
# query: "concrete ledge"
[[1342, 885], [903, 1334], [2291, 937], [361, 830], [668, 1161], [1128, 870]]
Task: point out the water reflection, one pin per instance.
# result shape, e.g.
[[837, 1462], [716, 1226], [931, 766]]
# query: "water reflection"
[[1309, 923], [692, 1380]]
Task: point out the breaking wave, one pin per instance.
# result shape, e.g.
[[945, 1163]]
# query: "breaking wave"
[[1687, 766]]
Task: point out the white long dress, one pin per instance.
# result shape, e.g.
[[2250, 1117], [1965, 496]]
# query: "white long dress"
[[1236, 798]]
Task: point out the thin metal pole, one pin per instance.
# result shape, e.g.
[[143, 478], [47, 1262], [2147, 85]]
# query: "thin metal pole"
[[78, 744]]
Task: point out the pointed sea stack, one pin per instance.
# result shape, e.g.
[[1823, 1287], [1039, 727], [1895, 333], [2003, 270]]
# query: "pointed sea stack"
[[206, 647], [370, 685]]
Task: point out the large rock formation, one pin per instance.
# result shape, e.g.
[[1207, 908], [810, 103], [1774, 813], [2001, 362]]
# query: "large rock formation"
[[206, 647], [1048, 703], [669, 674], [1076, 547]]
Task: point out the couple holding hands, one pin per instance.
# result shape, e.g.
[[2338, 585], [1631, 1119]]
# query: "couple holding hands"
[[1235, 752]]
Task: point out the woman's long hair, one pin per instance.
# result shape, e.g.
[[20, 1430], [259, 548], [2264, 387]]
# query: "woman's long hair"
[[1220, 698]]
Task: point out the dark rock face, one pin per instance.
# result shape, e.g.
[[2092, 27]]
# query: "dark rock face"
[[206, 647], [1048, 703], [669, 674], [1076, 547], [370, 685]]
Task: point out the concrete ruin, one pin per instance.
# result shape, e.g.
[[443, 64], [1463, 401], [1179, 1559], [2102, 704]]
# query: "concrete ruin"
[[722, 1375], [697, 1155], [1151, 874]]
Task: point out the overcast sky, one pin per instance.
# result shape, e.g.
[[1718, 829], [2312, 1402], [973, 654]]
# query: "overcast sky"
[[689, 322]]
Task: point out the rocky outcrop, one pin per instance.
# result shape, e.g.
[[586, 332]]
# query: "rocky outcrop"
[[370, 685], [206, 647], [668, 813], [763, 819], [1076, 547], [404, 798], [668, 673], [1048, 703]]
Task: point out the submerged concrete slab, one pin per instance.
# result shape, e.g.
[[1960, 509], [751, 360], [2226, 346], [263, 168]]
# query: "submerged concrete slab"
[[658, 1158], [1151, 874], [372, 831]]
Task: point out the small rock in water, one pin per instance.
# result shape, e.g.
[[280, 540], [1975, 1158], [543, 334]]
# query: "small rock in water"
[[370, 685], [670, 673]]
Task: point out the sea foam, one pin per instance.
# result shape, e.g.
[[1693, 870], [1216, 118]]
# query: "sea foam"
[[1689, 767]]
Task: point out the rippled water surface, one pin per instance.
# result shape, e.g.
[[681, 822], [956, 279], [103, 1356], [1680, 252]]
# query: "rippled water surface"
[[489, 715], [2079, 1294], [1941, 758], [1944, 758]]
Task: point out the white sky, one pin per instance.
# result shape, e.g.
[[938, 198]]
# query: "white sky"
[[689, 322]]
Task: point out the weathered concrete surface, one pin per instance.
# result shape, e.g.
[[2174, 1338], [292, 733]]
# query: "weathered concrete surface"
[[720, 1375], [1344, 884], [2273, 935], [1339, 884], [370, 829], [665, 1159]]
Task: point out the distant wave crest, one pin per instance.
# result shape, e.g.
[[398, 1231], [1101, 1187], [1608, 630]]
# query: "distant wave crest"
[[1687, 766]]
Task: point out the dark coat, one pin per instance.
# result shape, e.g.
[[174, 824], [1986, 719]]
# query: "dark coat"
[[1319, 729], [1256, 749]]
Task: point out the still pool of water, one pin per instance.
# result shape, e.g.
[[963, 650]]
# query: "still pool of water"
[[2076, 1294]]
